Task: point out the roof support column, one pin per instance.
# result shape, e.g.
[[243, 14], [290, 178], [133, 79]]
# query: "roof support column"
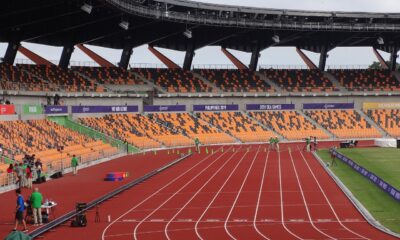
[[168, 62], [98, 59], [255, 55], [393, 58], [322, 58], [233, 59], [125, 56], [11, 52], [33, 56], [187, 63], [380, 59], [306, 60], [66, 56]]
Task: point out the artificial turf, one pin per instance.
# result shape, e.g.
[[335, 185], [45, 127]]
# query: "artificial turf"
[[384, 162]]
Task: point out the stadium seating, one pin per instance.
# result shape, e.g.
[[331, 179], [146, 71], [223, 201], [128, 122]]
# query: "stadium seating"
[[235, 80], [193, 127], [65, 80], [367, 80], [174, 80], [140, 131], [299, 80], [388, 119], [289, 124], [344, 123], [44, 137], [110, 75], [238, 125]]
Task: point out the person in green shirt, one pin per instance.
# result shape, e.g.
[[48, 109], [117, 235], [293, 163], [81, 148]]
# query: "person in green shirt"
[[308, 142], [276, 143], [197, 144], [36, 204], [74, 164], [271, 143]]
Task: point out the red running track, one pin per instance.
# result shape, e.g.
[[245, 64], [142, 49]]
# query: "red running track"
[[249, 193]]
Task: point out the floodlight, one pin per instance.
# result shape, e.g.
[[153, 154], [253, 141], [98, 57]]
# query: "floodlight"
[[124, 25], [380, 41], [188, 33], [276, 39], [87, 8]]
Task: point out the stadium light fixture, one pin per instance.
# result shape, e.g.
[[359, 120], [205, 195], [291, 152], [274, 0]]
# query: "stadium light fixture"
[[87, 8], [276, 39], [124, 25], [188, 33], [380, 41]]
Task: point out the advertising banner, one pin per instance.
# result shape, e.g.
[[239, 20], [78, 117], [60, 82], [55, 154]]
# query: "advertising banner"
[[7, 109], [164, 108], [328, 105], [105, 109], [269, 106], [216, 107], [32, 109], [56, 110], [381, 105], [389, 189]]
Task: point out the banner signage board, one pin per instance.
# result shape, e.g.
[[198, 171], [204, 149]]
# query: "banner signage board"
[[105, 109], [164, 108], [216, 107], [56, 110], [389, 189], [269, 106], [7, 109], [381, 105], [328, 105], [32, 109]]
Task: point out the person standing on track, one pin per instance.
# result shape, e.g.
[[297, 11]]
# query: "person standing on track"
[[197, 144], [277, 143], [308, 144], [74, 164], [36, 204], [19, 214], [315, 144], [271, 143]]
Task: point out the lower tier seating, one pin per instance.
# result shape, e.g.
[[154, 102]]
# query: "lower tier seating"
[[388, 119], [344, 123], [289, 124]]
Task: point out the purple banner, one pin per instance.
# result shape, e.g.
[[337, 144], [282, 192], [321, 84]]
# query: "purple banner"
[[165, 108], [269, 106], [389, 189], [104, 109], [328, 105], [56, 110], [216, 107]]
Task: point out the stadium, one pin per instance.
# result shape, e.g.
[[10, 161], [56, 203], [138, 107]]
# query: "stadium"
[[104, 150]]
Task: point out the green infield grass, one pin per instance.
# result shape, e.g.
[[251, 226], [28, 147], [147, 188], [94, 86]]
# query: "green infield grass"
[[384, 162]]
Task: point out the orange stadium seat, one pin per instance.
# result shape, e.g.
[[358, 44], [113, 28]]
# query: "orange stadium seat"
[[388, 119]]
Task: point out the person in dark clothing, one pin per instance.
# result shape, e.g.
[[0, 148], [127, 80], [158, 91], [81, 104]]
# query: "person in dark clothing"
[[19, 214]]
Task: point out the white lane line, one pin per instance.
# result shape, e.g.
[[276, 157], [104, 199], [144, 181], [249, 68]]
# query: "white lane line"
[[304, 199], [152, 195], [195, 194], [135, 230], [329, 203], [196, 228], [238, 194], [281, 196], [259, 199]]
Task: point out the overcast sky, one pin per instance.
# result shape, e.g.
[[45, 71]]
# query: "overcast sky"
[[270, 56]]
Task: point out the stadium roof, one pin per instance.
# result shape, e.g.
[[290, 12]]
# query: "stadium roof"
[[131, 23]]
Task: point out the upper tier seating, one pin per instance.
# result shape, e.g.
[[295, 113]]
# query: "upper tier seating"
[[110, 75], [235, 80], [174, 80], [238, 125], [300, 80], [194, 127], [44, 137], [367, 80], [138, 130], [388, 119], [65, 79], [344, 123], [290, 124], [13, 78]]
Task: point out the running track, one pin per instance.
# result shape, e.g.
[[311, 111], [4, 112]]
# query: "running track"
[[249, 193]]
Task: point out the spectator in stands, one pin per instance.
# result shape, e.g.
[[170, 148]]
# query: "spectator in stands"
[[19, 214], [29, 177], [74, 164], [36, 200]]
